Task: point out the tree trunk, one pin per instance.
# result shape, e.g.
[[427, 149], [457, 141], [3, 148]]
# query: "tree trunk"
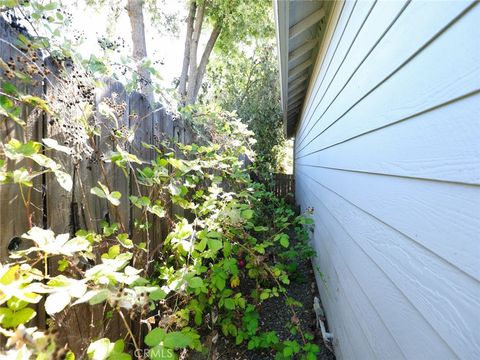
[[135, 13], [204, 61], [182, 87], [192, 72]]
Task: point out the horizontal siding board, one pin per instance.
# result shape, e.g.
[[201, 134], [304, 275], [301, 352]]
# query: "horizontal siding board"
[[410, 89], [447, 299], [429, 213], [380, 16], [349, 342], [354, 15], [442, 145], [395, 310], [345, 324], [379, 338], [387, 153], [341, 26]]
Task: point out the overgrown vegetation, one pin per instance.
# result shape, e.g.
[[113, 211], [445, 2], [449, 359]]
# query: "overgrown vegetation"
[[171, 300], [248, 85]]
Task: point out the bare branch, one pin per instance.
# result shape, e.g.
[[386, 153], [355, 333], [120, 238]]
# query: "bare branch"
[[204, 61]]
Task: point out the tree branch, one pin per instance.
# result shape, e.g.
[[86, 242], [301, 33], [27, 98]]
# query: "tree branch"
[[204, 60]]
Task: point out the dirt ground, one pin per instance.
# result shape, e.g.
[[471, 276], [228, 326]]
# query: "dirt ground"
[[275, 315]]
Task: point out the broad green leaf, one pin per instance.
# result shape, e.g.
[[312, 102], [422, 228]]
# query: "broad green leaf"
[[283, 238], [139, 201], [229, 304], [264, 295], [16, 304], [174, 189], [155, 337], [177, 340], [157, 210], [118, 346], [227, 249], [9, 88], [11, 319], [57, 301], [104, 193], [100, 349], [23, 316], [259, 248], [98, 192], [247, 214], [113, 252], [214, 245], [99, 297], [158, 294], [45, 161], [64, 179], [53, 144], [16, 150], [125, 241], [219, 282], [22, 176], [114, 197], [195, 282], [5, 316], [93, 297], [51, 6]]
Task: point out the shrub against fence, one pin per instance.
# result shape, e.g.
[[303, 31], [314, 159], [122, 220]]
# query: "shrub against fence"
[[231, 229], [66, 212]]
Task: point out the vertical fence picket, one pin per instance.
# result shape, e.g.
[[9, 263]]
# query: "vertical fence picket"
[[283, 186], [168, 131], [142, 125], [13, 215], [58, 201], [114, 93], [160, 226], [179, 138], [114, 96]]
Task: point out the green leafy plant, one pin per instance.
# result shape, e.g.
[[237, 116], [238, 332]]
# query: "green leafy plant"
[[211, 274]]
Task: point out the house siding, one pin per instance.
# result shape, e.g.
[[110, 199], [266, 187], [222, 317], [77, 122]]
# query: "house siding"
[[387, 152]]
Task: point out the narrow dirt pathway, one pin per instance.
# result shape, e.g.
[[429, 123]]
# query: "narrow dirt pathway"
[[275, 315]]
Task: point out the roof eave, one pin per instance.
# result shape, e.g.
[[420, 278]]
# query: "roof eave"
[[281, 19], [298, 28]]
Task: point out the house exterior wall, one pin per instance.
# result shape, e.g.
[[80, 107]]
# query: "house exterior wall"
[[387, 152]]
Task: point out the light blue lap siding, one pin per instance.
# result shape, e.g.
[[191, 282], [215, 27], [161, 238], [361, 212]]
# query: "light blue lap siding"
[[387, 152]]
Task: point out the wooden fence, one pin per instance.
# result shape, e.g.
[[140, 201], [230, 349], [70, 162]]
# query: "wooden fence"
[[53, 207], [283, 185]]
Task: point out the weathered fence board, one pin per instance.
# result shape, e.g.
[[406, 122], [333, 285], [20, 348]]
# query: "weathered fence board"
[[66, 212], [283, 186], [13, 212]]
